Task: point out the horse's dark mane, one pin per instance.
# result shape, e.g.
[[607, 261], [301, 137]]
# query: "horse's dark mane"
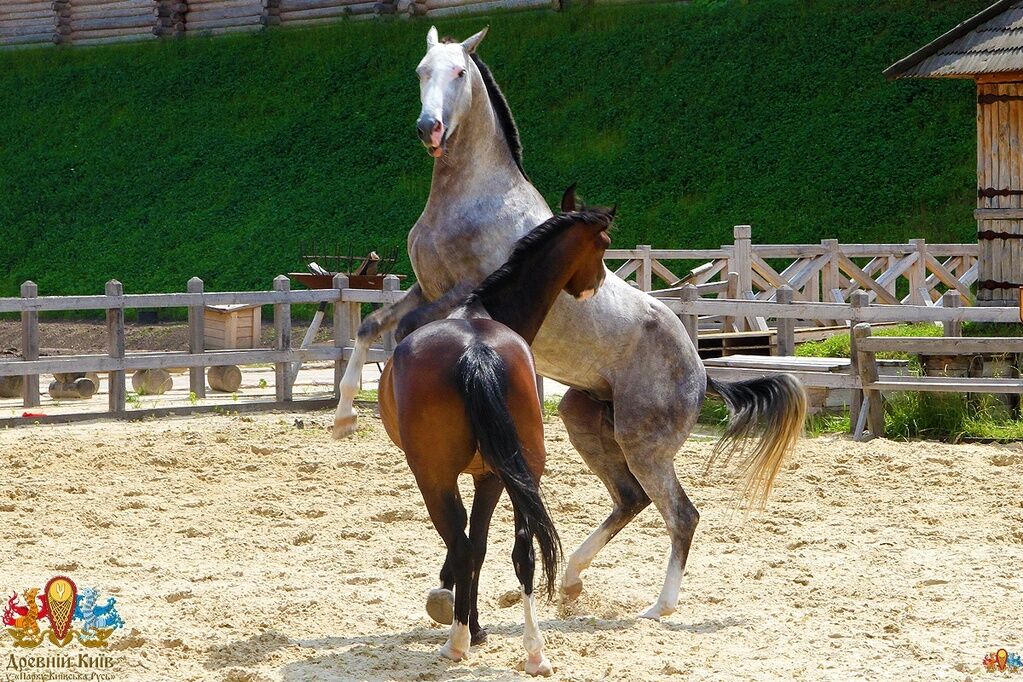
[[502, 111], [538, 238]]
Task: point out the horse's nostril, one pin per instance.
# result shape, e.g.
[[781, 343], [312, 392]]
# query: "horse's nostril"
[[437, 127]]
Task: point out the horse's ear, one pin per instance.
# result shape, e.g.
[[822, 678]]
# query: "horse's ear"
[[472, 42], [613, 211], [568, 201], [432, 38]]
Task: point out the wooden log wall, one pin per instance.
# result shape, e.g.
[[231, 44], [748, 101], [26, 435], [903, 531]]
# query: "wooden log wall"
[[999, 192], [86, 22]]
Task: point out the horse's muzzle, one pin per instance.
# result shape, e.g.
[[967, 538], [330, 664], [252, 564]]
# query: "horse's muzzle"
[[431, 132]]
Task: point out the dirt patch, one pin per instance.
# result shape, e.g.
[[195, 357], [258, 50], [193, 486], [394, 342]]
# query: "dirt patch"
[[311, 560]]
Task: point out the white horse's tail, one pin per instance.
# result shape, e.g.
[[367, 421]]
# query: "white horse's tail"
[[772, 408]]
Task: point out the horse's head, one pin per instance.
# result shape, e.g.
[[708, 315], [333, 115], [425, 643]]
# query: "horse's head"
[[445, 88], [592, 225]]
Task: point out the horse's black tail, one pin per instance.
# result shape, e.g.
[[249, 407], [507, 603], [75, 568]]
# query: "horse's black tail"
[[483, 381], [772, 407]]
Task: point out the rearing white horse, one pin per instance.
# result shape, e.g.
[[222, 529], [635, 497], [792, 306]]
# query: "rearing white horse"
[[636, 381]]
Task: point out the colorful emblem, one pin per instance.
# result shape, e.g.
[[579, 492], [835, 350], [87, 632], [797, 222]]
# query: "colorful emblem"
[[70, 614], [1003, 661]]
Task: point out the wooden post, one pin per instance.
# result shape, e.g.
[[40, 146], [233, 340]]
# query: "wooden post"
[[391, 283], [951, 299], [860, 299], [867, 366], [732, 324], [197, 340], [282, 340], [786, 329], [115, 345], [829, 274], [62, 21], [30, 345], [691, 321], [743, 257], [342, 330], [645, 274], [918, 272]]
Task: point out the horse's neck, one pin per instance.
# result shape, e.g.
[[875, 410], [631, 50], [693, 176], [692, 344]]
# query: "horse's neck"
[[522, 302]]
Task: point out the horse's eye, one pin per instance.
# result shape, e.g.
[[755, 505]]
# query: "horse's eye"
[[461, 74]]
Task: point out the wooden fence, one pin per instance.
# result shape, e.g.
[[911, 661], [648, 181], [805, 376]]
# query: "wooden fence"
[[915, 273], [87, 22]]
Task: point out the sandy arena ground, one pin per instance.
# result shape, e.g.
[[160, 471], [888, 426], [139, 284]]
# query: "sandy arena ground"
[[246, 548]]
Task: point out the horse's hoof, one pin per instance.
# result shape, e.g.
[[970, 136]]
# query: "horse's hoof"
[[479, 637], [541, 666], [572, 591], [440, 605], [451, 653], [345, 426], [657, 611]]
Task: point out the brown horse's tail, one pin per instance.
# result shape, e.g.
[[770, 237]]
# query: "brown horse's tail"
[[772, 407], [483, 381]]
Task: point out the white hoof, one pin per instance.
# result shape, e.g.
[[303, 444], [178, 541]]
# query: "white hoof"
[[440, 605], [539, 666], [449, 652], [657, 611], [345, 426]]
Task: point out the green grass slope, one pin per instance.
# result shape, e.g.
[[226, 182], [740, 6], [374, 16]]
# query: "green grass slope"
[[155, 162]]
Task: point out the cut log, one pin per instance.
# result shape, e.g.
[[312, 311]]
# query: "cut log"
[[227, 378], [21, 31], [338, 11], [480, 7], [230, 22], [110, 12], [115, 39], [103, 24], [297, 5], [10, 387], [25, 8], [125, 33], [45, 22], [39, 14], [81, 388], [27, 40], [197, 16], [151, 381]]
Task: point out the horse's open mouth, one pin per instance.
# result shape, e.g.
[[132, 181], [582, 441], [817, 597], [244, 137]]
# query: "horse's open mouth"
[[437, 150]]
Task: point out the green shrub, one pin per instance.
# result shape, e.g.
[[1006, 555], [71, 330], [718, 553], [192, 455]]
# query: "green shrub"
[[154, 162], [837, 345]]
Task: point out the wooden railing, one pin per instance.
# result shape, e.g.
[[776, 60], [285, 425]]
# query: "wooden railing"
[[824, 273], [117, 361]]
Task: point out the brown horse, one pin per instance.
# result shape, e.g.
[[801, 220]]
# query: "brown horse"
[[459, 396]]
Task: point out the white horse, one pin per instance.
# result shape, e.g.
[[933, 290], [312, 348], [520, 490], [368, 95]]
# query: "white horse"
[[636, 381]]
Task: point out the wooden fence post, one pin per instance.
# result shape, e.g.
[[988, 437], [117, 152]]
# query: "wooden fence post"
[[645, 274], [731, 324], [30, 346], [342, 330], [743, 257], [872, 410], [691, 321], [282, 340], [786, 326], [918, 272], [391, 283], [860, 299], [951, 299], [197, 339], [61, 21], [115, 346]]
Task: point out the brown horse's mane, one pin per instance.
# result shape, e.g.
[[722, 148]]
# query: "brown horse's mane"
[[537, 239]]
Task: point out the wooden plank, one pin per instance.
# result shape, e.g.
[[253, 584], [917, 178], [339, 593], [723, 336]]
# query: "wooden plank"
[[644, 276], [628, 268], [691, 322], [867, 367], [343, 334], [814, 379], [786, 325], [865, 281], [115, 346], [949, 385], [818, 311], [941, 345], [53, 303], [780, 363]]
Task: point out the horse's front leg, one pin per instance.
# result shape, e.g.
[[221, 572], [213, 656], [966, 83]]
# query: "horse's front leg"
[[377, 323]]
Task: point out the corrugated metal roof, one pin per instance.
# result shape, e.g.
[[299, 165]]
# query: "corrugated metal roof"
[[989, 43]]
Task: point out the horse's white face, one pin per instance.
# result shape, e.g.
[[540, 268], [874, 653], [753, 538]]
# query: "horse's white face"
[[445, 89]]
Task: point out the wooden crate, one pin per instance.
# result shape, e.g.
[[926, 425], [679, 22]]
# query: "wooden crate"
[[231, 326]]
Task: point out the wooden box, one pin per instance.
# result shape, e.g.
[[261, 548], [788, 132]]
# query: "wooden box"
[[231, 326]]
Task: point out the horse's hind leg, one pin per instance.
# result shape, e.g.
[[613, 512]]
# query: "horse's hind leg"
[[591, 432], [524, 559], [488, 492], [448, 515]]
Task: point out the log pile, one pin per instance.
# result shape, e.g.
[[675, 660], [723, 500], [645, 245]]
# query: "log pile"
[[450, 8], [170, 18], [226, 16], [108, 21], [301, 12], [27, 22]]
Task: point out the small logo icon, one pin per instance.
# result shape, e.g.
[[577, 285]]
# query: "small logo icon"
[[59, 614], [1003, 661]]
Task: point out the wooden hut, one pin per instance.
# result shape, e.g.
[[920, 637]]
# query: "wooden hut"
[[988, 48]]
